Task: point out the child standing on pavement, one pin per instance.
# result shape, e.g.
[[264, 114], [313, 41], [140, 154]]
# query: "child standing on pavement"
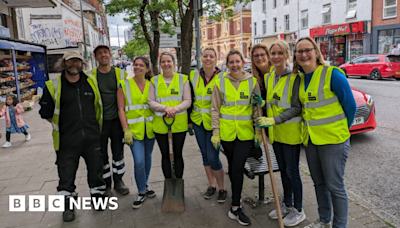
[[14, 122]]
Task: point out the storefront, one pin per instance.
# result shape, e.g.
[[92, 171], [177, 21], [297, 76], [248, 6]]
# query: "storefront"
[[341, 43], [384, 37]]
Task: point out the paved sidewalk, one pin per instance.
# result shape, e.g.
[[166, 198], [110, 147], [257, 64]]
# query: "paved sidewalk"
[[27, 168]]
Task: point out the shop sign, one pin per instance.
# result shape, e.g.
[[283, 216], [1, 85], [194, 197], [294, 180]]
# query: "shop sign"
[[280, 37], [293, 37], [337, 30], [5, 32], [258, 41]]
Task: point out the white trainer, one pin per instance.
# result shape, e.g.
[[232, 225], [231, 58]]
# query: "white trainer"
[[7, 144], [294, 217], [28, 137], [284, 211]]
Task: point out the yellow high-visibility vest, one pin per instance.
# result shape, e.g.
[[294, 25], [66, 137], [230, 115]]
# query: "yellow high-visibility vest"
[[201, 112], [118, 73], [170, 96], [236, 113], [279, 99], [324, 119], [137, 111], [54, 87]]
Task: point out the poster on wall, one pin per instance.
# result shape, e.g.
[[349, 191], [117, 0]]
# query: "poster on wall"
[[47, 33], [73, 32]]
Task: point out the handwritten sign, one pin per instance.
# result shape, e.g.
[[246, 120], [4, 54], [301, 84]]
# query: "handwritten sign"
[[46, 33]]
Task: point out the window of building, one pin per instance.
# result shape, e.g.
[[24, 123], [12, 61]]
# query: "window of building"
[[264, 5], [20, 20], [255, 28], [274, 3], [287, 22], [326, 14], [389, 9], [226, 23], [275, 25], [351, 9], [304, 18], [3, 21], [264, 27], [286, 2]]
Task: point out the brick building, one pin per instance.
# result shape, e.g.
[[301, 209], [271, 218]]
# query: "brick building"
[[228, 34], [385, 25]]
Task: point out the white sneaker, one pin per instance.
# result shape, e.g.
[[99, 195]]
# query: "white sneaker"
[[319, 224], [294, 217], [284, 211], [7, 144], [27, 137]]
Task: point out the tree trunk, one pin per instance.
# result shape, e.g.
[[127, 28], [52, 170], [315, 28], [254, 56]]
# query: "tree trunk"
[[187, 38], [179, 56]]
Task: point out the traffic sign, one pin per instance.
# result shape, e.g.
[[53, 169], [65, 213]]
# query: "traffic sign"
[[170, 41]]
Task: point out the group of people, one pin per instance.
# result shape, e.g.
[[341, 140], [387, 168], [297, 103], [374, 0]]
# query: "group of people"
[[311, 104]]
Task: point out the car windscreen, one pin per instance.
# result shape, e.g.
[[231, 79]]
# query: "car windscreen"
[[394, 58]]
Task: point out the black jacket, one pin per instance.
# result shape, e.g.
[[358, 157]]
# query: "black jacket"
[[77, 124]]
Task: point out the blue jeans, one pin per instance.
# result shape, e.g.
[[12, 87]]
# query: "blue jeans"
[[142, 151], [210, 154], [287, 157], [327, 164]]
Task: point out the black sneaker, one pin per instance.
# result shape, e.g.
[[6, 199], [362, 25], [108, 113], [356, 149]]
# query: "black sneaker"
[[121, 188], [139, 201], [108, 192], [239, 216], [210, 192], [222, 196], [69, 213], [149, 192]]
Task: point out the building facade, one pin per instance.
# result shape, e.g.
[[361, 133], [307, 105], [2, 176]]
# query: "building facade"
[[385, 26], [128, 35], [340, 27], [229, 33]]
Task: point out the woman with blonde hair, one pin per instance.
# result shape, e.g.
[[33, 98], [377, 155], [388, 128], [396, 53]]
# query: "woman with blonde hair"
[[284, 127], [169, 98], [232, 120], [328, 112], [202, 84]]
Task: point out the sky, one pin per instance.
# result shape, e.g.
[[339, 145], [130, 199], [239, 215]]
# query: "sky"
[[122, 25]]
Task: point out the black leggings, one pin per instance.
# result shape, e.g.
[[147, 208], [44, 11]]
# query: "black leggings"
[[178, 140], [8, 135], [236, 152]]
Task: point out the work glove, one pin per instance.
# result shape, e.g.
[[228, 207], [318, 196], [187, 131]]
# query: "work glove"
[[128, 136], [257, 139], [256, 98], [216, 140], [265, 122]]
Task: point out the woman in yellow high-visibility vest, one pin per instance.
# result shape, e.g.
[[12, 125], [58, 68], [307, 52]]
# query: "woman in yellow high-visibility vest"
[[232, 119], [137, 121], [170, 95], [202, 84], [328, 112], [284, 126]]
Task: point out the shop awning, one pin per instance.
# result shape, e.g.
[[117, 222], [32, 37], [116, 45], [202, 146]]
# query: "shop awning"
[[29, 3], [7, 44]]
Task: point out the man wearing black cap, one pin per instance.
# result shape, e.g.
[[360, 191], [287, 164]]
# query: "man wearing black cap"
[[108, 78], [72, 104]]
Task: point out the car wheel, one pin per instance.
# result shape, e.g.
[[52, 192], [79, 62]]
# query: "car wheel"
[[375, 75], [345, 73], [398, 79]]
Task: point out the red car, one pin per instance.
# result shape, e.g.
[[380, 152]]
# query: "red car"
[[374, 66], [365, 114]]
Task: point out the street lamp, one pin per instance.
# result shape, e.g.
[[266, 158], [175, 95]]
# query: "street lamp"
[[119, 46]]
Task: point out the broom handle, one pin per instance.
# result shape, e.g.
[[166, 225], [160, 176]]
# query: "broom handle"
[[271, 172]]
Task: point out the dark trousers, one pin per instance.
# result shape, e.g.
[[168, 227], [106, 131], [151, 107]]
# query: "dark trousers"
[[288, 161], [112, 129], [8, 135], [68, 162], [236, 152], [178, 139]]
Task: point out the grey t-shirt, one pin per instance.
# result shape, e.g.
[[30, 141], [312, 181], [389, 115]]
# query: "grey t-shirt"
[[108, 90]]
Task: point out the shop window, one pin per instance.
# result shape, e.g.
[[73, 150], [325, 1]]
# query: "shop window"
[[255, 28], [287, 22], [385, 38], [264, 24], [304, 19], [389, 8], [326, 14], [264, 5], [275, 25]]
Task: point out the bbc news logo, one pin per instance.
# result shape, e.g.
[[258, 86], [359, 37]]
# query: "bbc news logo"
[[57, 203]]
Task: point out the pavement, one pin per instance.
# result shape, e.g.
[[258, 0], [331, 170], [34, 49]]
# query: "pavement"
[[27, 168]]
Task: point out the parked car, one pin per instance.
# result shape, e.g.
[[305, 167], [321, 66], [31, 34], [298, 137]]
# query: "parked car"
[[374, 67], [365, 115]]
